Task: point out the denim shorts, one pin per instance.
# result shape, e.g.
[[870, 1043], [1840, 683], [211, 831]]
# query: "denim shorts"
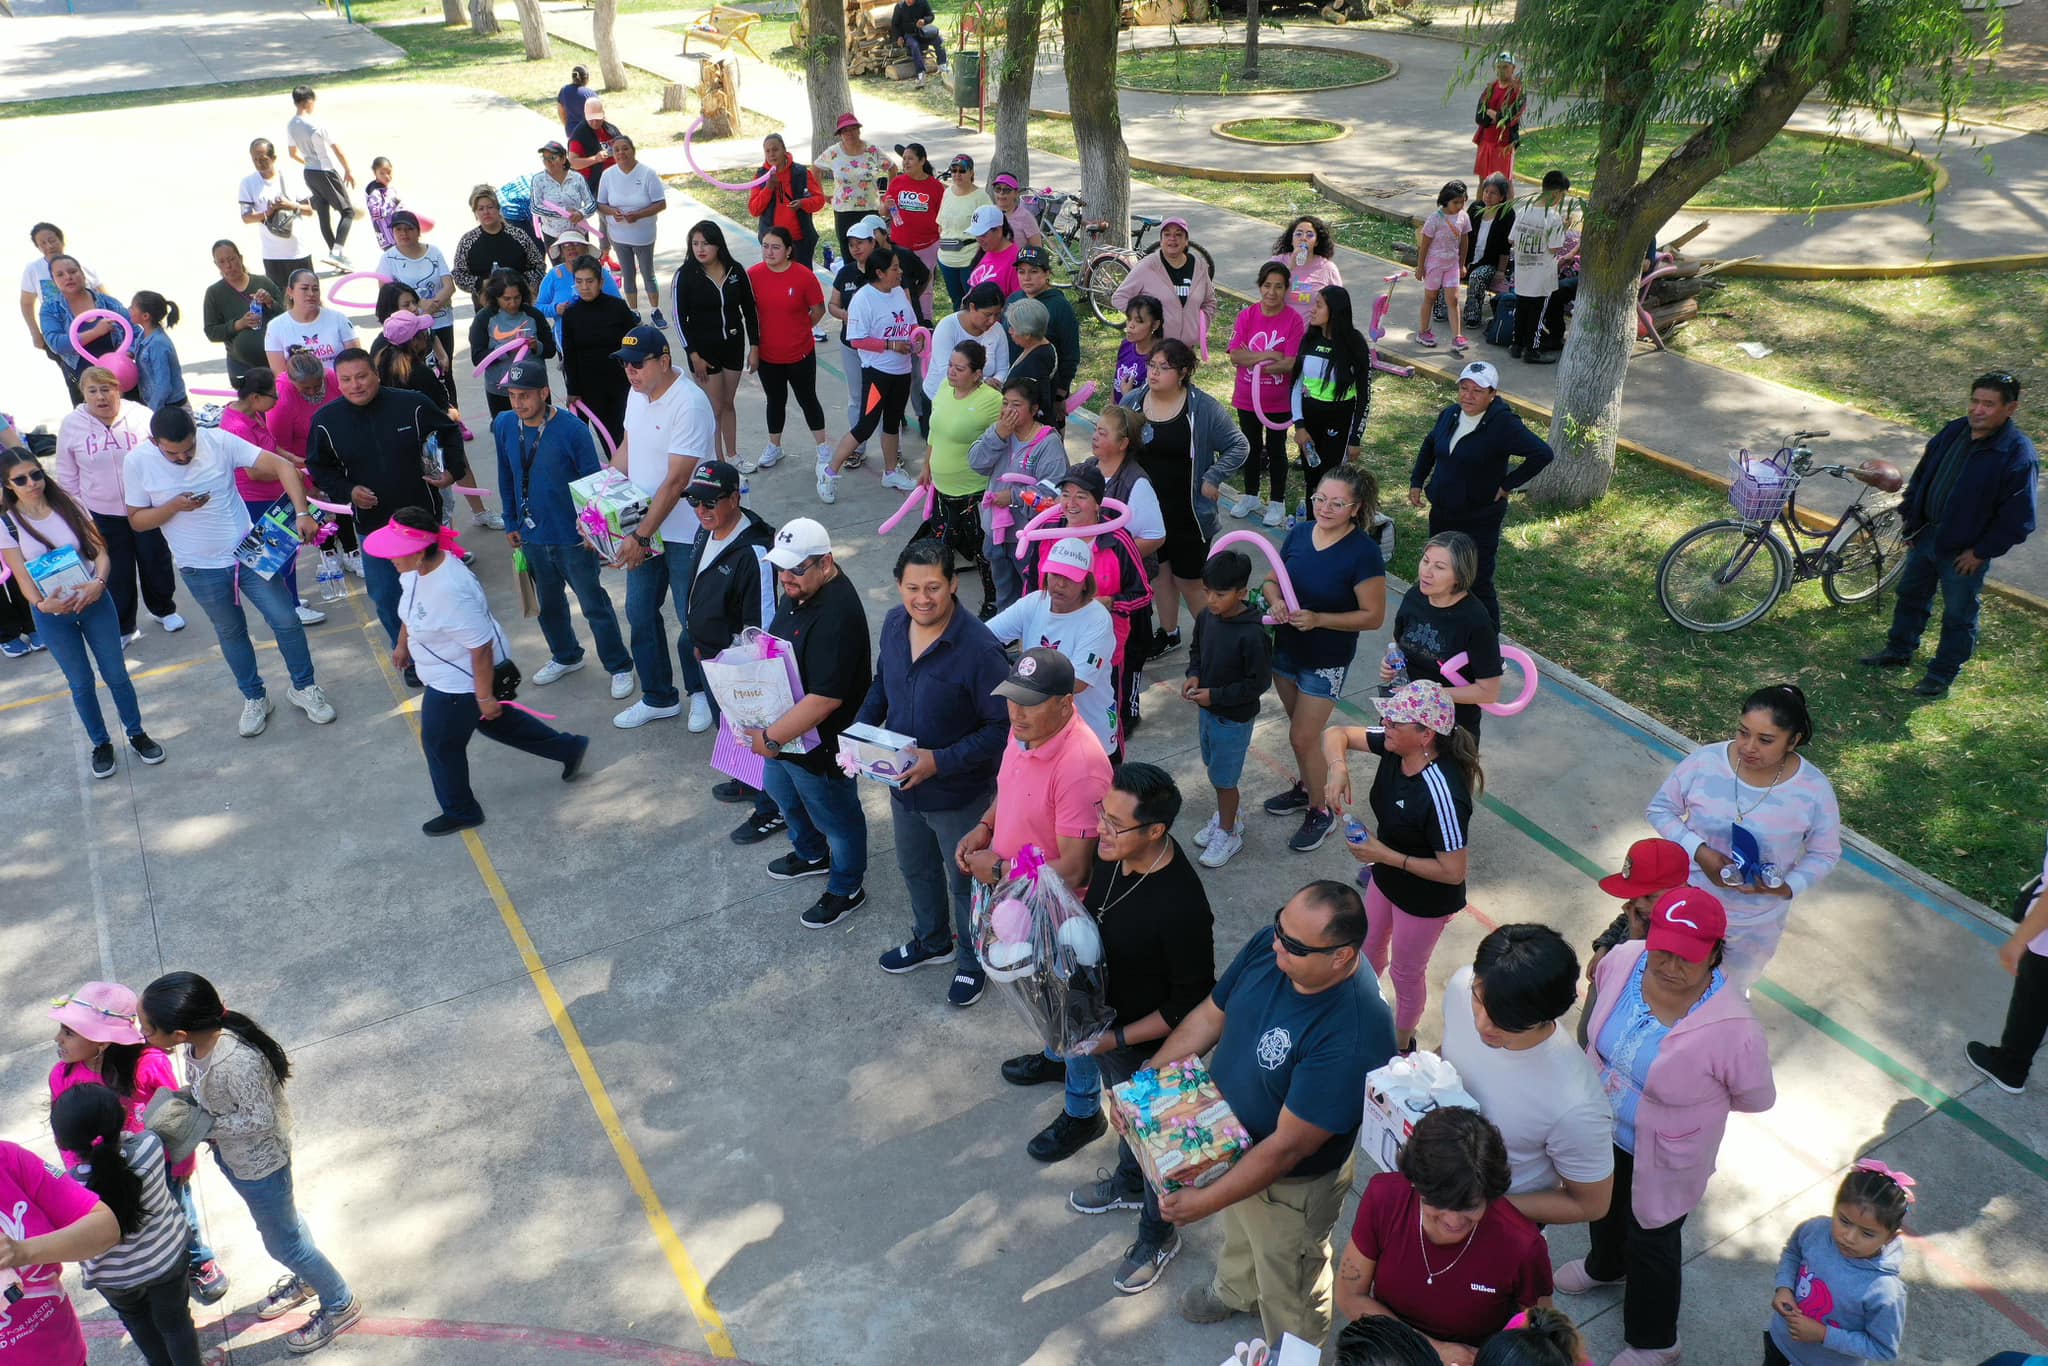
[[1312, 682], [1224, 745]]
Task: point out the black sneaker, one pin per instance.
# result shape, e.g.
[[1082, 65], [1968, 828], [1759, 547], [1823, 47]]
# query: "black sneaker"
[[1033, 1069], [573, 765], [1105, 1195], [758, 827], [912, 956], [1143, 1263], [1066, 1136], [966, 989], [449, 825], [793, 865], [146, 749], [1164, 643], [1930, 686], [1885, 659], [1315, 828], [103, 760], [1287, 803], [832, 908], [733, 790], [1990, 1060]]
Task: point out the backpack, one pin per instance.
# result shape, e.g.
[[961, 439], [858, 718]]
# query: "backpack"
[[1501, 330]]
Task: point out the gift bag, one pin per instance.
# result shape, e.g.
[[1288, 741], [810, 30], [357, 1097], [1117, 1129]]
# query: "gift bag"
[[734, 757], [1398, 1095], [755, 683], [1042, 949], [529, 594]]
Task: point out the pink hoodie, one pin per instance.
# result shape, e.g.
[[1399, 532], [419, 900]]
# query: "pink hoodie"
[[1713, 1061]]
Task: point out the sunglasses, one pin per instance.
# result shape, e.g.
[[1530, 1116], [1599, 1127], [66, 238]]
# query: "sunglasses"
[[24, 480], [705, 500], [1295, 947]]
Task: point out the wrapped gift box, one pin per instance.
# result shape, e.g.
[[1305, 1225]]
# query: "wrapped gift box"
[[608, 506], [1398, 1095], [875, 753], [1179, 1126]]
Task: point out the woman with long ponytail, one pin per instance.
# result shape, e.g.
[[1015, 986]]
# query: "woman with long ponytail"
[[142, 1277], [238, 1075]]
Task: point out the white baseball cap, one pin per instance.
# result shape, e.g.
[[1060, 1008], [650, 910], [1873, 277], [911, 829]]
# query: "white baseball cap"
[[799, 541], [1071, 558], [987, 218], [1479, 372]]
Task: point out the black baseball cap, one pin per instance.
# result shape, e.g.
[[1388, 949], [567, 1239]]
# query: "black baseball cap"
[[1088, 479], [524, 374], [1038, 676], [642, 343], [1034, 256], [557, 148], [713, 480]]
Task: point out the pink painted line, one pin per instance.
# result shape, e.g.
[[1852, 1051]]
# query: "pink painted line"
[[252, 1330]]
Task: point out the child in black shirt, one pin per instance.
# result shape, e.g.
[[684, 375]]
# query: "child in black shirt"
[[1229, 669]]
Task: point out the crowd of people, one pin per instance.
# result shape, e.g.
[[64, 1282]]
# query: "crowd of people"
[[1023, 709]]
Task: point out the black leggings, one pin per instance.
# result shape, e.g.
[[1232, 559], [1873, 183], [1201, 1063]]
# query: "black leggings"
[[1274, 444], [1332, 429], [158, 1317], [330, 195], [133, 555], [894, 391], [957, 523], [778, 380]]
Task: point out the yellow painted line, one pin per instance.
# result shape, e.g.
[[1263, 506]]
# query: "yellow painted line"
[[671, 1242]]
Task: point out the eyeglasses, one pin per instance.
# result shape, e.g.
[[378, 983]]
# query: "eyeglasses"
[[24, 480], [803, 567], [1322, 502], [1295, 947], [1103, 822]]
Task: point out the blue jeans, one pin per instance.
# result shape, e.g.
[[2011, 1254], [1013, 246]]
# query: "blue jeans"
[[556, 569], [647, 587], [290, 573], [1002, 563], [285, 1235], [924, 855], [447, 720], [1224, 745], [923, 39], [1084, 1085], [824, 815], [1961, 598], [198, 1252], [955, 278], [214, 591], [96, 631], [381, 579]]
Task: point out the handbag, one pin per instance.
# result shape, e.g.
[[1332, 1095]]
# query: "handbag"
[[179, 1122]]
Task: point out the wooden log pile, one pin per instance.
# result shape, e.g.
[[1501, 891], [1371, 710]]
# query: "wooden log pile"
[[870, 48], [1673, 299]]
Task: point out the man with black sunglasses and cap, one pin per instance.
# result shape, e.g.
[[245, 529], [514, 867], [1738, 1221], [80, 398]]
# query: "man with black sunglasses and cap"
[[1294, 1026]]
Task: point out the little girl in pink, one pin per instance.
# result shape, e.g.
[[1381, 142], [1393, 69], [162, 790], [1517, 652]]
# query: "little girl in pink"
[[1442, 258]]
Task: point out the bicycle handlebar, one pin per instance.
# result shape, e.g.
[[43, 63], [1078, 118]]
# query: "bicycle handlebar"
[[1797, 437]]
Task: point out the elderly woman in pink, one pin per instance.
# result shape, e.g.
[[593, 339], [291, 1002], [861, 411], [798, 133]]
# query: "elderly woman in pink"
[[1759, 821], [255, 396], [1678, 1050], [93, 442]]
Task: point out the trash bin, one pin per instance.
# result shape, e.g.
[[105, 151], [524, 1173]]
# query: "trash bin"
[[967, 93]]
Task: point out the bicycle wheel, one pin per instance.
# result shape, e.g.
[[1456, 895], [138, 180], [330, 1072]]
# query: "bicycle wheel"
[[1868, 561], [1065, 254], [1104, 276], [1722, 576]]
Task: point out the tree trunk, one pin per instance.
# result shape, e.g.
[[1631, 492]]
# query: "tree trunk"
[[1089, 28], [1592, 371], [451, 12], [1251, 40], [610, 69], [824, 58], [533, 30], [1014, 74], [483, 17]]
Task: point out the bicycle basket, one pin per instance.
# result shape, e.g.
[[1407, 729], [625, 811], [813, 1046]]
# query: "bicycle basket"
[[1761, 485]]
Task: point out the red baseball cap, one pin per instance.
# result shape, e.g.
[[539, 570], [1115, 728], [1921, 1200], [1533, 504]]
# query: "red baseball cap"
[[1650, 866], [1688, 922]]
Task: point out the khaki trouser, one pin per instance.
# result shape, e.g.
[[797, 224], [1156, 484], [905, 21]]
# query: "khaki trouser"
[[1276, 1254]]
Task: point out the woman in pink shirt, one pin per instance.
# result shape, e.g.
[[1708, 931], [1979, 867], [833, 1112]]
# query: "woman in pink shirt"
[[93, 442], [1310, 255], [45, 1220], [256, 395], [305, 387]]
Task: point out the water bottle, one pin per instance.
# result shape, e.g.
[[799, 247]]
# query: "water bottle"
[[828, 258], [1771, 877], [1291, 521], [745, 489], [1355, 831], [331, 587], [1397, 660], [1731, 876]]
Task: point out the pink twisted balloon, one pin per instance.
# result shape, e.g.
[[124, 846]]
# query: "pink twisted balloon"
[[336, 285], [690, 155], [520, 345], [1258, 379], [1453, 672], [1265, 548], [1037, 529], [582, 410], [117, 360], [926, 494]]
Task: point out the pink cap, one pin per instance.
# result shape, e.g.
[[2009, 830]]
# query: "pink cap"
[[392, 540], [402, 326], [846, 121], [1180, 223], [101, 1011]]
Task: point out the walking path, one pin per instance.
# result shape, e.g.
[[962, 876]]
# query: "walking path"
[[1688, 413]]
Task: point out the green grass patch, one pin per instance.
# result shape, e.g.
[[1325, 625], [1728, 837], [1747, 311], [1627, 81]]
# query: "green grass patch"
[[1284, 130], [1218, 70], [1795, 171]]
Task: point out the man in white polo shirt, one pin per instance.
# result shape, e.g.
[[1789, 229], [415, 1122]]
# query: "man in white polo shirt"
[[183, 480], [1529, 1077], [1064, 615]]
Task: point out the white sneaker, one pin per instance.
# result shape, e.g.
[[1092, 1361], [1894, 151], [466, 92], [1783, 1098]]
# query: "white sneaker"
[[771, 456], [622, 686], [1208, 832], [1245, 506], [899, 480], [311, 701], [131, 637], [1276, 515], [309, 616], [825, 449], [171, 622], [554, 669], [641, 712], [700, 713], [1225, 844], [352, 561], [490, 520], [827, 493], [747, 464], [255, 716]]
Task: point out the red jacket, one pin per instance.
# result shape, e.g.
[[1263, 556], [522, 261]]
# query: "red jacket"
[[777, 201]]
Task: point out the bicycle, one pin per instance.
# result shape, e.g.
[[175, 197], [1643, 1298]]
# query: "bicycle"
[[1097, 271], [1727, 574]]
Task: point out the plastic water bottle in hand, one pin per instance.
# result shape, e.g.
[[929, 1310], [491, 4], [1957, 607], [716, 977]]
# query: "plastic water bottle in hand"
[[1354, 831], [1396, 661], [333, 587]]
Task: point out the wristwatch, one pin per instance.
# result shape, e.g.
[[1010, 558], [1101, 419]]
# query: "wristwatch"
[[772, 746], [644, 541]]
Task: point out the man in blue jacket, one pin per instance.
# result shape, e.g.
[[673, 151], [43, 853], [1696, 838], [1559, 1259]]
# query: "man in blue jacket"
[[1462, 469], [541, 449], [1970, 500]]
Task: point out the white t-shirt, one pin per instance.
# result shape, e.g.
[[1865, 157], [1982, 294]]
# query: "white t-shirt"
[[1087, 638], [255, 195], [1546, 1101], [1539, 236], [329, 334], [313, 143], [680, 423], [947, 334], [1467, 424], [446, 616], [1148, 522], [205, 537], [629, 190], [35, 278], [423, 277], [888, 316]]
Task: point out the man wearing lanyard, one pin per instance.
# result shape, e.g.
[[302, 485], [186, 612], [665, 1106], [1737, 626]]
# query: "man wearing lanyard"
[[540, 450]]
